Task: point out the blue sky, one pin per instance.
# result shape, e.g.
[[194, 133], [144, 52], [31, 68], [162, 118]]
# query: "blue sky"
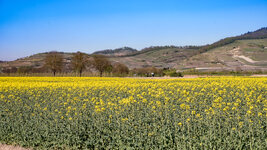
[[33, 26]]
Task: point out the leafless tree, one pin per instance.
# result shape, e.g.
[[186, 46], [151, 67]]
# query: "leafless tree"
[[102, 64], [79, 62], [54, 62], [120, 69]]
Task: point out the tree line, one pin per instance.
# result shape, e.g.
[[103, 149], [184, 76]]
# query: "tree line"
[[54, 61]]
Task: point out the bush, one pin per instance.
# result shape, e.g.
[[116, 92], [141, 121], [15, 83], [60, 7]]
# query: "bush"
[[173, 73]]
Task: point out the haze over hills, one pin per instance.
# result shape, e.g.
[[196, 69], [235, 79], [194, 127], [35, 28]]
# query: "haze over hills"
[[245, 52]]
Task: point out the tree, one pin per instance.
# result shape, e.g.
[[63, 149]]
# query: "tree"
[[101, 63], [54, 62], [120, 69], [147, 71], [79, 62]]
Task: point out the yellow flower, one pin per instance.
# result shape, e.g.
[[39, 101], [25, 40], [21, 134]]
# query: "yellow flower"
[[124, 119]]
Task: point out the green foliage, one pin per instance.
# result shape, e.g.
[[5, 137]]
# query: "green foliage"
[[173, 73], [147, 72], [118, 50], [223, 73]]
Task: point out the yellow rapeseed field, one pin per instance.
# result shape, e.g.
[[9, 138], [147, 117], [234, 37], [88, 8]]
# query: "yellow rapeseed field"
[[121, 113]]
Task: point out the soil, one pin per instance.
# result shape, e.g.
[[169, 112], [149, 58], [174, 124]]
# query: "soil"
[[235, 53], [193, 76], [9, 147]]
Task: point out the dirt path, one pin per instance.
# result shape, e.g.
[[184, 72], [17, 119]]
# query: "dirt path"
[[9, 147], [194, 76], [259, 75], [235, 53], [247, 59], [186, 76]]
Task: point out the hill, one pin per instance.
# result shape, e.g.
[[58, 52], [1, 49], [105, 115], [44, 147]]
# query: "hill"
[[35, 61], [242, 54], [258, 34], [245, 52], [160, 58], [117, 52], [182, 57]]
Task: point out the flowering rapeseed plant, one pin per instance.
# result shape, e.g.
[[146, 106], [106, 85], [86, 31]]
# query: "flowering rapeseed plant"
[[95, 113]]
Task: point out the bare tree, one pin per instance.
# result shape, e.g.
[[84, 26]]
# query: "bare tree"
[[79, 62], [102, 64], [54, 62], [120, 69]]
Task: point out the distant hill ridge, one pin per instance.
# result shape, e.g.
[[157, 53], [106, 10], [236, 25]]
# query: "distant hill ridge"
[[117, 52], [156, 48], [252, 45], [258, 34]]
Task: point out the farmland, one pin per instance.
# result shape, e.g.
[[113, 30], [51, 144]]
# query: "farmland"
[[121, 113]]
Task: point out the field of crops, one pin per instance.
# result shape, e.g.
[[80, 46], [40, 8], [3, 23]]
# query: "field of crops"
[[121, 113]]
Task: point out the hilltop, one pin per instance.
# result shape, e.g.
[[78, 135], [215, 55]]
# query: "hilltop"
[[124, 51], [244, 52]]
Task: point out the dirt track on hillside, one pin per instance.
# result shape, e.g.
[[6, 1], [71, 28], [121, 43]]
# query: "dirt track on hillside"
[[235, 53], [9, 147]]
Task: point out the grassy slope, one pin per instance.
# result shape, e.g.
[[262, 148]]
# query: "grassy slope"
[[158, 58], [180, 58], [187, 58], [223, 56], [36, 60]]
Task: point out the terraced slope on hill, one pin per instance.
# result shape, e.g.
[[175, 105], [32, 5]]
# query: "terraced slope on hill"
[[161, 58], [244, 52]]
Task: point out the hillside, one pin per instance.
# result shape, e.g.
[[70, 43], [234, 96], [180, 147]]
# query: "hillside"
[[241, 54], [160, 58], [244, 52], [258, 34], [34, 61], [117, 52]]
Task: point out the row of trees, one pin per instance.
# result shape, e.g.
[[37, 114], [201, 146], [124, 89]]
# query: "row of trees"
[[81, 61]]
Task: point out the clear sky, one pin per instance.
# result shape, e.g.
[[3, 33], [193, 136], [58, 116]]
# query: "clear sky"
[[33, 26]]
